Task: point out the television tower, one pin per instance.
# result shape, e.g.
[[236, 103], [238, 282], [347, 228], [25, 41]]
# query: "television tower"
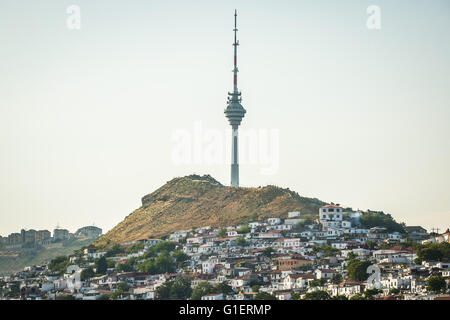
[[235, 112]]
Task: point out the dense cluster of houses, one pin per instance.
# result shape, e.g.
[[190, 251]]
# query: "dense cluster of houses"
[[284, 257]]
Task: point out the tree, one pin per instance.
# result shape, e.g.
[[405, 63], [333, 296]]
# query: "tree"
[[87, 273], [264, 296], [180, 256], [370, 220], [317, 295], [179, 289], [299, 227], [222, 233], [371, 244], [164, 263], [116, 295], [164, 246], [161, 264], [110, 263], [244, 229], [268, 252], [125, 267], [394, 291], [436, 284], [123, 286], [318, 282], [336, 279], [224, 288], [202, 289], [59, 264], [431, 254], [115, 249], [357, 269], [163, 291], [434, 252], [240, 241], [136, 248], [101, 265], [328, 251], [351, 255], [255, 287], [295, 296], [14, 291], [370, 293]]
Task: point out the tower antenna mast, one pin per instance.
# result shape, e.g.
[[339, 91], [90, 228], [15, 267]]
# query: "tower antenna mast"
[[235, 44]]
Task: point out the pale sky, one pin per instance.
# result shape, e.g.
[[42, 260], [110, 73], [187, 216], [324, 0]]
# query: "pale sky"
[[87, 116]]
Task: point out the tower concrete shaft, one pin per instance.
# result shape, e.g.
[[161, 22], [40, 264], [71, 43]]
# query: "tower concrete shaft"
[[235, 112], [234, 158]]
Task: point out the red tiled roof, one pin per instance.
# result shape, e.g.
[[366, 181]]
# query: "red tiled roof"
[[401, 248], [295, 275], [328, 270], [349, 283], [331, 206]]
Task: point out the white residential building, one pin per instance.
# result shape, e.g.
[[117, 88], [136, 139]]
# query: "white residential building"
[[293, 214], [324, 273], [292, 243], [273, 221], [194, 240], [213, 296], [293, 221], [208, 267]]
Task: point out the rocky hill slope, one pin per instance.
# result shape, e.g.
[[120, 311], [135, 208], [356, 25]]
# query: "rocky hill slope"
[[196, 201]]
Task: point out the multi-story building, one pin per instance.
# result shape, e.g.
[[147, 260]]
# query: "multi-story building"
[[14, 239], [60, 234], [293, 214], [42, 235], [330, 216], [29, 236], [290, 263]]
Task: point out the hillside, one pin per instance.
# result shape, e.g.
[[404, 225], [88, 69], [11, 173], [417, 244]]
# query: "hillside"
[[13, 260], [196, 201]]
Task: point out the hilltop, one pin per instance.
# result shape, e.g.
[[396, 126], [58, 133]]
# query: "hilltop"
[[196, 201]]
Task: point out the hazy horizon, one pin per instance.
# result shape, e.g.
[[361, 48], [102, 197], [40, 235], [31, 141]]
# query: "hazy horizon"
[[87, 117]]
